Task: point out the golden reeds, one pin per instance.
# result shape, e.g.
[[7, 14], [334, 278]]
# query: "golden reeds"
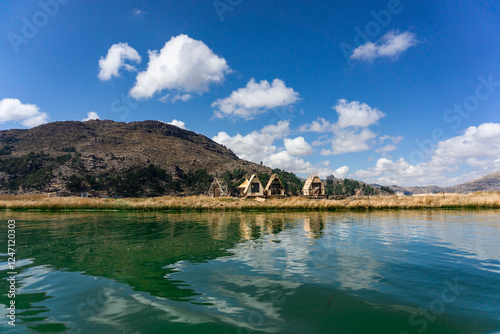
[[204, 203]]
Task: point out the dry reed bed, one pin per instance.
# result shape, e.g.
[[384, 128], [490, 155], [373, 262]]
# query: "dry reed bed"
[[203, 203]]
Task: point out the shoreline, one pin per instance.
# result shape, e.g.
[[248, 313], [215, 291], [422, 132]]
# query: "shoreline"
[[46, 203]]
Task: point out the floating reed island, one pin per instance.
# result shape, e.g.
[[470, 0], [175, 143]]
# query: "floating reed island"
[[42, 202]]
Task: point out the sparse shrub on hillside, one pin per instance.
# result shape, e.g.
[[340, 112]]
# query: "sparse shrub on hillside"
[[75, 184], [198, 181], [387, 190], [10, 139], [6, 150], [30, 171], [76, 162]]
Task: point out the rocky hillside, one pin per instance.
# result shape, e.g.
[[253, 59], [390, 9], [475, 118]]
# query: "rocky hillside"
[[489, 182], [107, 156]]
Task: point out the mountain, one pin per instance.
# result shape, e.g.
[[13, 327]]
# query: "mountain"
[[417, 190], [103, 155], [490, 182]]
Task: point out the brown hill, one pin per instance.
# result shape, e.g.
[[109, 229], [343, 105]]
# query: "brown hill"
[[103, 148], [490, 182]]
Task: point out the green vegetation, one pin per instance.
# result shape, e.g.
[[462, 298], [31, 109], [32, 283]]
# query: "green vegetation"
[[9, 139], [234, 179], [6, 150], [149, 181], [198, 181], [348, 187], [387, 190], [32, 171], [69, 149]]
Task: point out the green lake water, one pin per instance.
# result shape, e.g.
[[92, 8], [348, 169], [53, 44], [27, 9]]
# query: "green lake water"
[[381, 272]]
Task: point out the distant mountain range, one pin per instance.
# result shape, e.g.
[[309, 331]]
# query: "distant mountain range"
[[489, 182]]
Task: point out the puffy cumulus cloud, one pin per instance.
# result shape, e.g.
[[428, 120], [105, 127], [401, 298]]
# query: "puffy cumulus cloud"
[[475, 142], [115, 59], [399, 172], [347, 141], [255, 98], [179, 124], [298, 146], [341, 172], [391, 45], [356, 114], [91, 115], [477, 147], [261, 145], [288, 162], [183, 64], [350, 132], [29, 115], [256, 145]]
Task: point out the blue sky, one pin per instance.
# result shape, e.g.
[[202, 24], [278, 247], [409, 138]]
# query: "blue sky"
[[389, 92]]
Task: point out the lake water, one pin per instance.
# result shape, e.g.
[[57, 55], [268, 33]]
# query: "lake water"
[[380, 272]]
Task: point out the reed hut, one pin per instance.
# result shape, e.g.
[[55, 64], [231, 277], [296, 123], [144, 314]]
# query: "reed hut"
[[313, 186], [218, 188], [274, 187], [251, 187]]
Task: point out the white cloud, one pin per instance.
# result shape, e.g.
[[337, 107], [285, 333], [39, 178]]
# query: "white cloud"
[[284, 160], [179, 124], [260, 146], [298, 146], [321, 125], [29, 115], [183, 64], [356, 114], [386, 148], [183, 97], [256, 145], [347, 141], [350, 132], [341, 172], [115, 59], [475, 142], [90, 116], [177, 97], [254, 99], [391, 45], [477, 147], [394, 139]]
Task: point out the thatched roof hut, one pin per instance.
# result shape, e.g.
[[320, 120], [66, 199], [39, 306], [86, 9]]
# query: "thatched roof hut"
[[274, 187], [251, 187], [218, 188], [313, 186]]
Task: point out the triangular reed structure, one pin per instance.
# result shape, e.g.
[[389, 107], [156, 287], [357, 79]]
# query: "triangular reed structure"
[[274, 187], [218, 188], [313, 186]]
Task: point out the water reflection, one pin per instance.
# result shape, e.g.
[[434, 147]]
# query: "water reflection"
[[252, 271]]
